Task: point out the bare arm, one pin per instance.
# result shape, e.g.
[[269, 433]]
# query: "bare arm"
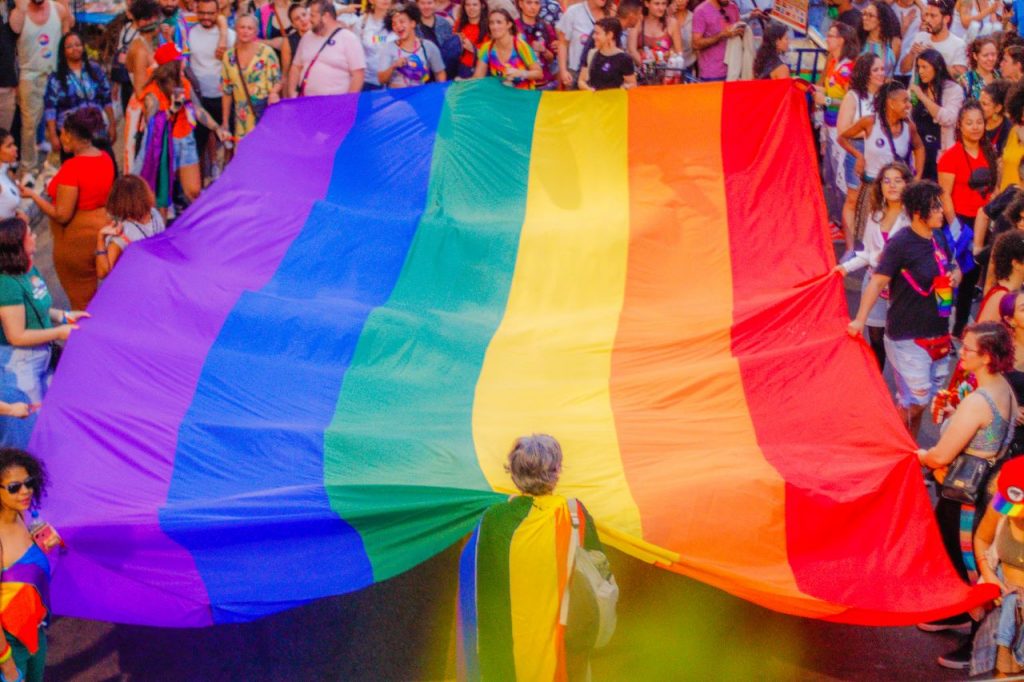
[[357, 78], [972, 414], [12, 319], [294, 77], [918, 150], [633, 42], [981, 224], [17, 18], [63, 207], [984, 536], [867, 300], [946, 181], [67, 19]]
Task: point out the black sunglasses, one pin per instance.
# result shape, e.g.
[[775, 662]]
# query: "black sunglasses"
[[15, 488]]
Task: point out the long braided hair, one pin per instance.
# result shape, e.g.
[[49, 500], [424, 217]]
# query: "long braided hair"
[[885, 93]]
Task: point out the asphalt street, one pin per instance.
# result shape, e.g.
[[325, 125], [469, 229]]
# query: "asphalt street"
[[670, 628]]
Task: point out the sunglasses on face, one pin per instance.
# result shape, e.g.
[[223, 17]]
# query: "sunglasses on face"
[[15, 487]]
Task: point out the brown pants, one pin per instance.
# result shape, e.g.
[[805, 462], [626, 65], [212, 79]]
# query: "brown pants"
[[74, 255]]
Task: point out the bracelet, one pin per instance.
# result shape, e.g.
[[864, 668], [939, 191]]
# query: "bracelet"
[[100, 253], [7, 654], [63, 320]]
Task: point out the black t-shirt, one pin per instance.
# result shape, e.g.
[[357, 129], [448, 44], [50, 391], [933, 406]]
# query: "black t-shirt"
[[911, 315], [997, 136], [851, 17], [608, 72], [8, 45], [770, 65], [429, 33], [994, 210]]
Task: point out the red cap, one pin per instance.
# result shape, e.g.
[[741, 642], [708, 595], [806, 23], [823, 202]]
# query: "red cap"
[[166, 53]]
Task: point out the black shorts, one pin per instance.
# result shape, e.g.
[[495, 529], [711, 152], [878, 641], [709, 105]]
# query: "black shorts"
[[213, 106]]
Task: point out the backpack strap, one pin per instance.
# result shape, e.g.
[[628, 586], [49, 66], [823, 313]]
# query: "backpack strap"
[[574, 544]]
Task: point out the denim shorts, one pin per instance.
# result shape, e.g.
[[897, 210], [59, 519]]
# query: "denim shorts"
[[185, 151], [849, 165], [917, 376]]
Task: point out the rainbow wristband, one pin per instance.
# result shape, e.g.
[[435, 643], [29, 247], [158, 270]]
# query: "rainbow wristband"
[[7, 655]]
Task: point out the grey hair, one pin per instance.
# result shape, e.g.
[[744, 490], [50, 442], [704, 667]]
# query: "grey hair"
[[535, 463]]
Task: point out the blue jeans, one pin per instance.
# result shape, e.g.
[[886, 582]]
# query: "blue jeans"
[[25, 378]]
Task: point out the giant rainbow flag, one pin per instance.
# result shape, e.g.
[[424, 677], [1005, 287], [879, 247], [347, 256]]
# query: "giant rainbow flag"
[[310, 382]]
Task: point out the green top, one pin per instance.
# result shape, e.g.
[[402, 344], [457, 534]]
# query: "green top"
[[31, 289]]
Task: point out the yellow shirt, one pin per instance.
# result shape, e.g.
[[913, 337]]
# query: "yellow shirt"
[[1013, 154]]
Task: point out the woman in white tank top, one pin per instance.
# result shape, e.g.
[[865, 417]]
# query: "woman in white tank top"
[[890, 137]]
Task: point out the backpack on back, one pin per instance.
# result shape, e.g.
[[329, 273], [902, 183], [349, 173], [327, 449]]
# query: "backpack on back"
[[588, 607]]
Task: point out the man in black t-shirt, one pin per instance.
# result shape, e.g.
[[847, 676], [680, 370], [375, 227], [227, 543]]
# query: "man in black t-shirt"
[[8, 68], [920, 273]]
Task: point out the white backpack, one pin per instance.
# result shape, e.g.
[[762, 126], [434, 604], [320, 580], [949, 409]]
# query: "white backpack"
[[591, 594]]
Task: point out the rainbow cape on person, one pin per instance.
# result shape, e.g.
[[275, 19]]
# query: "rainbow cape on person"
[[320, 368]]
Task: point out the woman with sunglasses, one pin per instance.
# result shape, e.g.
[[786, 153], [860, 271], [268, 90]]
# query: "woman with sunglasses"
[[967, 175], [886, 216], [26, 568], [28, 326]]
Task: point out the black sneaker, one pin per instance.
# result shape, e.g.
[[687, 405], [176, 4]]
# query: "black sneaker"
[[959, 658], [958, 623]]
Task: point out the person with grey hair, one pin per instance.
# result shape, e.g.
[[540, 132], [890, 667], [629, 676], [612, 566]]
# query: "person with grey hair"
[[513, 582]]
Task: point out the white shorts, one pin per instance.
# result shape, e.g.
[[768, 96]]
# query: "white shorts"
[[917, 376]]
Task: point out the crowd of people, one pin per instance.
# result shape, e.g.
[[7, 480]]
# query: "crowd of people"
[[919, 115]]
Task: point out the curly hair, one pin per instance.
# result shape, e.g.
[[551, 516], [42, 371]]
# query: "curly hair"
[[921, 198], [1008, 247], [535, 464], [888, 24], [861, 75], [1015, 104], [994, 340], [13, 457], [997, 91], [975, 48]]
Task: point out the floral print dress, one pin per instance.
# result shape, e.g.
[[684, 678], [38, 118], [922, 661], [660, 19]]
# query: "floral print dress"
[[261, 76]]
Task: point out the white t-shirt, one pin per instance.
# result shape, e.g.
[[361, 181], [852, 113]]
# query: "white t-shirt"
[[952, 49], [374, 36], [912, 30], [202, 43], [10, 197], [576, 25]]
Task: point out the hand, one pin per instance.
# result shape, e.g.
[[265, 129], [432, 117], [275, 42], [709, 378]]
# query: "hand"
[[916, 90], [27, 192], [64, 331], [274, 98], [467, 44], [956, 277], [819, 98], [219, 52], [839, 270], [566, 78], [736, 30], [19, 410], [855, 328], [1020, 415], [111, 230], [858, 166], [512, 74], [921, 454], [222, 134], [76, 315], [917, 48]]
